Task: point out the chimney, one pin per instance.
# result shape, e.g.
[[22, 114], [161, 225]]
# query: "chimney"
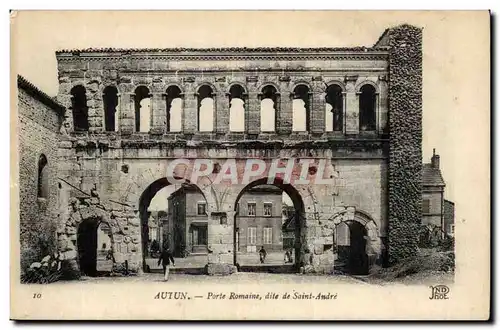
[[435, 159]]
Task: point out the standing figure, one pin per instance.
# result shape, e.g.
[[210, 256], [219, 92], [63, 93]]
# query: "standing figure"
[[165, 258], [262, 254]]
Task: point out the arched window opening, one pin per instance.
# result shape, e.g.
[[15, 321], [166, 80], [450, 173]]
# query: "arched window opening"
[[142, 102], [367, 104], [334, 115], [237, 109], [80, 108], [174, 109], [205, 109], [110, 99], [268, 108], [43, 177], [301, 109]]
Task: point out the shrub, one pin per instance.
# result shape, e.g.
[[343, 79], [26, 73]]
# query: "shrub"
[[427, 260], [48, 270], [37, 241]]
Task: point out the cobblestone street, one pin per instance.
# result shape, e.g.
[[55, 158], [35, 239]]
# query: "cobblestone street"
[[241, 277], [244, 259]]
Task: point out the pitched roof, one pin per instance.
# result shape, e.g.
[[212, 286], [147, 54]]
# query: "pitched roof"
[[289, 224], [39, 94], [431, 176]]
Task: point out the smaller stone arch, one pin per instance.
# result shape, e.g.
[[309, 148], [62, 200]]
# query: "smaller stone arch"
[[102, 87], [142, 85], [89, 209], [233, 83], [352, 214], [335, 82], [367, 82], [78, 82], [358, 260], [298, 83], [269, 83], [174, 84], [215, 90]]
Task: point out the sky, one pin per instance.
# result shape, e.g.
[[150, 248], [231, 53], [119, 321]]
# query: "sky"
[[446, 58]]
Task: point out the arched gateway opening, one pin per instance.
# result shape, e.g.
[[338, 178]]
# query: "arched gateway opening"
[[267, 225], [94, 247], [178, 220], [357, 243], [350, 237]]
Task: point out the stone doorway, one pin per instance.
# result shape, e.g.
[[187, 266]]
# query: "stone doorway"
[[350, 237], [87, 247]]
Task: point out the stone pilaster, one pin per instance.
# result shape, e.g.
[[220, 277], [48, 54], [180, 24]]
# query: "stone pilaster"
[[317, 112], [97, 113], [94, 122], [65, 100], [284, 108], [158, 113], [221, 243], [383, 104], [190, 113], [127, 113], [253, 119], [221, 112], [352, 106]]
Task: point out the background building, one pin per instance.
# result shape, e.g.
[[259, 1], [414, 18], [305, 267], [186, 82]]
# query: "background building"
[[259, 220], [433, 193], [449, 217], [188, 221]]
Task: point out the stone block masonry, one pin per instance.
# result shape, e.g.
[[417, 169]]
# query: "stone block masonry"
[[39, 122], [111, 176]]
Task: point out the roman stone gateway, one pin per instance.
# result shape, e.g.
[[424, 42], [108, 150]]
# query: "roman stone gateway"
[[354, 114]]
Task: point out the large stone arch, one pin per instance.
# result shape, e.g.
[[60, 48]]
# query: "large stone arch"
[[350, 213], [125, 246], [304, 202], [153, 187]]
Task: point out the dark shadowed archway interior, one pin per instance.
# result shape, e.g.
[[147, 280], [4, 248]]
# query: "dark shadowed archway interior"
[[350, 238], [87, 247]]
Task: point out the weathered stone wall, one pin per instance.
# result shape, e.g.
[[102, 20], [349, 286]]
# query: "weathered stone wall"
[[382, 193], [125, 233], [405, 155], [284, 71], [38, 129], [359, 173]]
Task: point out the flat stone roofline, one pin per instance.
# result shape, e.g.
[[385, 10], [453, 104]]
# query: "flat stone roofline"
[[239, 50], [352, 144]]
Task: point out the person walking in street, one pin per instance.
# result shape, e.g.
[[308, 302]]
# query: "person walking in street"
[[262, 254], [165, 259]]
